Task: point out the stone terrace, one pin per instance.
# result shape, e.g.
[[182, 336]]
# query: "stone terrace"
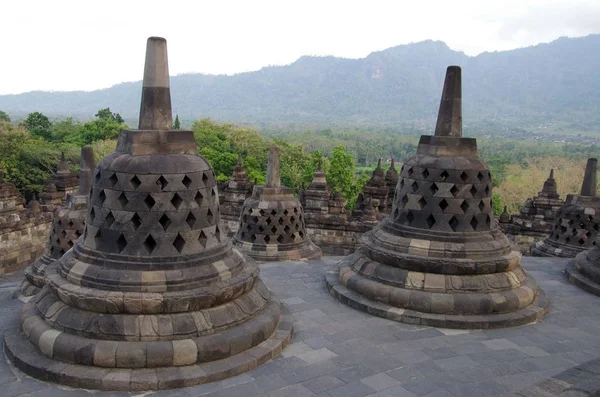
[[338, 351]]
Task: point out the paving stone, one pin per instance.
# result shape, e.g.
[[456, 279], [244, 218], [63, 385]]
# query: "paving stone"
[[500, 344], [291, 391], [355, 389], [394, 391], [323, 383], [270, 382], [455, 363], [380, 381]]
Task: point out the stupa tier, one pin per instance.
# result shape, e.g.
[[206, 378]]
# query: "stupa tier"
[[153, 295], [576, 226], [440, 259], [272, 225]]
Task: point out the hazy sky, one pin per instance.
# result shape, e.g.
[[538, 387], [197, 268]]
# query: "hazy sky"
[[85, 45]]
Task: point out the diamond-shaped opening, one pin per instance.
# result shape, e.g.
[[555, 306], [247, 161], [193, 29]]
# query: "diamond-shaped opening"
[[570, 223], [430, 221], [102, 196], [301, 234], [464, 176], [261, 212], [70, 243], [487, 190], [402, 184], [92, 214], [162, 182], [77, 234], [267, 239], [444, 175], [433, 189], [70, 224], [61, 252], [136, 221], [273, 230], [578, 216], [213, 192], [286, 229], [481, 205], [588, 234], [109, 220], [190, 220], [443, 204], [454, 190], [209, 216], [252, 238], [274, 212], [409, 171], [563, 229], [268, 221], [568, 240], [261, 229], [149, 244], [179, 243], [113, 179], [464, 206], [473, 191], [581, 241], [218, 234], [64, 233], [280, 221], [121, 243], [280, 239], [292, 219], [176, 201], [297, 226], [286, 212], [425, 173], [404, 200], [204, 178], [254, 219], [396, 212], [202, 239], [474, 223], [414, 187], [590, 218], [186, 181], [135, 182], [488, 220], [149, 201], [410, 217], [453, 222], [422, 202], [98, 176], [596, 227], [123, 200], [198, 199], [480, 176], [165, 222]]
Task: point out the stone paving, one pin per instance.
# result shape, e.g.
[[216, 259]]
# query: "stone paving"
[[338, 351]]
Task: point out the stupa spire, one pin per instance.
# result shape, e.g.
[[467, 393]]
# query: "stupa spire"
[[87, 168], [155, 110], [588, 187], [273, 177], [449, 121]]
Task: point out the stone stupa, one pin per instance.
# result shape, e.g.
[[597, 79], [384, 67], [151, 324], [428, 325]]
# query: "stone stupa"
[[67, 225], [235, 192], [153, 296], [272, 225], [440, 259], [63, 178], [576, 225]]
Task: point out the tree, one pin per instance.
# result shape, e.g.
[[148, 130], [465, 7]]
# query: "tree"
[[341, 175], [176, 124], [62, 130], [108, 115], [4, 116], [38, 124]]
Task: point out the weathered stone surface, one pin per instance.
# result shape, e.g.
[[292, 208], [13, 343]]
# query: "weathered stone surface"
[[439, 258], [234, 193], [153, 279], [64, 179], [577, 222], [272, 225]]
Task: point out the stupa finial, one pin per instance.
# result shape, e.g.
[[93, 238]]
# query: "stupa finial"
[[155, 110], [449, 121], [273, 177], [588, 187]]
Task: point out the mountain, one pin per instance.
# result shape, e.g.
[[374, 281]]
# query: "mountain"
[[552, 83]]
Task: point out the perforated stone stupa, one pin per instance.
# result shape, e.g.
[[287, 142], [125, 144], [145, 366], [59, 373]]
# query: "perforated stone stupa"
[[440, 259], [272, 226], [67, 225], [536, 218], [235, 192], [153, 296], [576, 225]]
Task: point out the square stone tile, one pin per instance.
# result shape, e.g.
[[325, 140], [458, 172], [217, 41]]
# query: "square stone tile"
[[379, 381]]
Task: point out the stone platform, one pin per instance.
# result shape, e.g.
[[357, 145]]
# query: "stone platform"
[[337, 351]]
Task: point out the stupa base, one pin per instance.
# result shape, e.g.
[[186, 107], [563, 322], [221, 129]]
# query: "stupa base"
[[578, 279], [24, 355], [544, 249], [280, 253], [26, 289], [532, 312]]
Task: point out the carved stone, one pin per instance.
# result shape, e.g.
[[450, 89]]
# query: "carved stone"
[[440, 259], [64, 179], [272, 225], [577, 222], [235, 192], [153, 295]]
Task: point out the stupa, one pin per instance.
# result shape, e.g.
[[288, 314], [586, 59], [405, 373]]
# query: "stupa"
[[63, 178], [153, 296], [272, 225], [376, 189], [576, 224], [440, 259], [235, 192], [67, 225]]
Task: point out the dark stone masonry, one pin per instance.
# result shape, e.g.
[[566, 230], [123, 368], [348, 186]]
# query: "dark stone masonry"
[[576, 225], [272, 225], [67, 226], [235, 192], [440, 259], [153, 295]]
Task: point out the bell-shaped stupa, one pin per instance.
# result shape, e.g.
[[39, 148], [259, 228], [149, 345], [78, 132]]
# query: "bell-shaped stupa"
[[577, 222], [440, 259], [153, 295], [67, 225], [272, 225]]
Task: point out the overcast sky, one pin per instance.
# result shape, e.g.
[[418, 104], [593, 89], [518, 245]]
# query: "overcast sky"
[[85, 45]]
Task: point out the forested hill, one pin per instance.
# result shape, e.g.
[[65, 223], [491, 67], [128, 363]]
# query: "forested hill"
[[555, 83]]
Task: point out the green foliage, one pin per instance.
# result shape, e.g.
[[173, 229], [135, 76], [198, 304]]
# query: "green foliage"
[[497, 203], [64, 129], [108, 115], [176, 123], [38, 124], [106, 127], [4, 116]]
